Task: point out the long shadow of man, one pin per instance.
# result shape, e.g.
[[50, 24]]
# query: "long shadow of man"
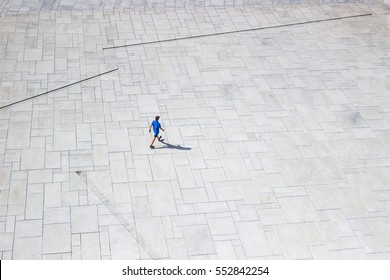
[[170, 146]]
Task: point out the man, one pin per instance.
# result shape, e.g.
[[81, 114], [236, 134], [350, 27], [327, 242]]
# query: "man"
[[156, 129]]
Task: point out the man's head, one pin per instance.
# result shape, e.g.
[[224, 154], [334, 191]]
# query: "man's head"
[[157, 118]]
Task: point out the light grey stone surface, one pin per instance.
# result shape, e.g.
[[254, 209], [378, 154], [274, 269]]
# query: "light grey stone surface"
[[84, 219], [56, 239], [253, 239], [276, 143], [90, 246], [28, 248], [151, 236], [161, 199], [122, 244], [198, 240]]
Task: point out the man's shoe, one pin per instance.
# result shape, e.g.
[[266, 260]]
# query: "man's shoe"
[[151, 146], [159, 138]]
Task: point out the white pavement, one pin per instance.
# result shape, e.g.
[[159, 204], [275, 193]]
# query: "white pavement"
[[277, 142]]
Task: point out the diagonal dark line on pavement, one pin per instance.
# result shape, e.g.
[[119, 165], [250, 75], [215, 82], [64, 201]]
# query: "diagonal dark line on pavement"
[[114, 211], [235, 31], [62, 87]]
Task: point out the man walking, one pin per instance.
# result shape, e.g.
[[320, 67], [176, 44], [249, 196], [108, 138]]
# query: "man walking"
[[156, 129]]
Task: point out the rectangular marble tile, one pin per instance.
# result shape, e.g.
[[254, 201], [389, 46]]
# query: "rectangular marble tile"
[[90, 246], [5, 173], [234, 131], [28, 228], [223, 225], [52, 160], [57, 215], [194, 195], [84, 219], [123, 245], [227, 193], [273, 216], [118, 171], [28, 248], [292, 250], [330, 235], [6, 241], [56, 239], [162, 168], [118, 140], [225, 250], [211, 207], [93, 112], [351, 204], [150, 234], [185, 177], [161, 198], [17, 193], [196, 159], [322, 253], [286, 146], [19, 135], [53, 195], [198, 240], [306, 209], [40, 176], [148, 105], [341, 223], [177, 249], [64, 140], [121, 193], [196, 112], [322, 197], [100, 155], [141, 207], [253, 239], [143, 170], [234, 167], [208, 149], [311, 234], [248, 213], [140, 143], [33, 159], [213, 175]]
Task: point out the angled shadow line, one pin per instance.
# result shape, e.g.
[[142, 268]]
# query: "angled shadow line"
[[62, 87], [235, 31], [114, 211]]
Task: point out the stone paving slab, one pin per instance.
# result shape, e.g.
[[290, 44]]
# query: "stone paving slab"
[[24, 6], [276, 142]]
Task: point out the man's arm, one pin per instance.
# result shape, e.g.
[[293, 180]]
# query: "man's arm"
[[150, 127]]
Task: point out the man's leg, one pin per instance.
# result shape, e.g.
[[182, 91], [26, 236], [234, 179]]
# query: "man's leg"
[[151, 144]]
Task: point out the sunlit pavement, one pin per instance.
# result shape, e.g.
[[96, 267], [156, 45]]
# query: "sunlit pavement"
[[277, 142]]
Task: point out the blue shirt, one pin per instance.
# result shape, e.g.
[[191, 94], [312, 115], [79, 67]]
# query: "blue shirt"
[[156, 127]]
